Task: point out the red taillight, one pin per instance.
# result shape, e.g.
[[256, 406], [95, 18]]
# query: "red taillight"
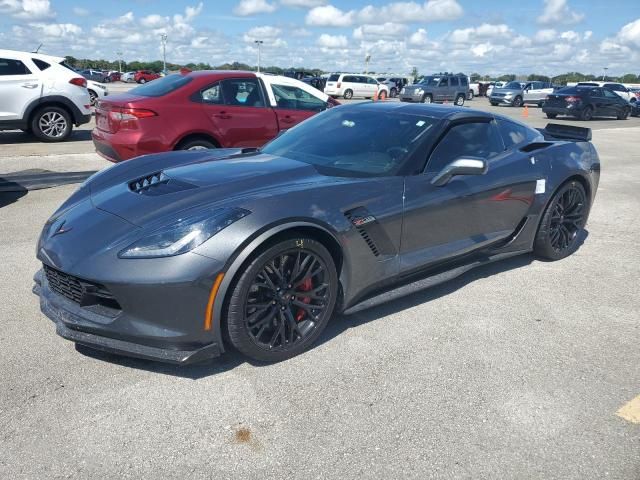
[[572, 99], [79, 81], [137, 113], [127, 118]]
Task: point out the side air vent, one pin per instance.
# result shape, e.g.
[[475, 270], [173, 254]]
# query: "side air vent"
[[158, 184], [359, 218]]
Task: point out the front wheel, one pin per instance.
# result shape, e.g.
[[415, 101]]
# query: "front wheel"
[[562, 223], [494, 104], [427, 99], [283, 300], [93, 97], [552, 115], [517, 102], [348, 94], [382, 95], [624, 114], [470, 95]]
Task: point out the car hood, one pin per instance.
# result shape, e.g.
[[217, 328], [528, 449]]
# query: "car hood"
[[158, 192]]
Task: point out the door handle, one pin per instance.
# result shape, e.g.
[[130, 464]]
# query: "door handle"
[[222, 115], [287, 119], [30, 85]]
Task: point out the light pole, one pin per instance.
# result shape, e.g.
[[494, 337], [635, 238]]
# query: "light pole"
[[366, 63], [163, 39], [605, 73], [119, 61], [259, 43]]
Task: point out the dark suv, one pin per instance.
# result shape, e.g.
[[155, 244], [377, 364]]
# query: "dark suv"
[[440, 88]]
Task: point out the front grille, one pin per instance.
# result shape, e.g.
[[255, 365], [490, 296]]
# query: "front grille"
[[65, 285]]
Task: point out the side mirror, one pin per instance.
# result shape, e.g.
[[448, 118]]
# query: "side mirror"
[[460, 166]]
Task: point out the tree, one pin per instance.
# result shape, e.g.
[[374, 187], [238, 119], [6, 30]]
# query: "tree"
[[538, 78], [415, 74]]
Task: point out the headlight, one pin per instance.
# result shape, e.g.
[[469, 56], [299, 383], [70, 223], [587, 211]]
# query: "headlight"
[[183, 235], [508, 94], [419, 90]]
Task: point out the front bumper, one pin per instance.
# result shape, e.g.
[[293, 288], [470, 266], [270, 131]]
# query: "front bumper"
[[410, 97], [501, 100], [121, 335]]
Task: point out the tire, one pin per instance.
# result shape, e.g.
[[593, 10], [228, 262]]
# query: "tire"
[[427, 99], [196, 144], [93, 98], [552, 115], [51, 124], [284, 325], [348, 94], [142, 80], [517, 102], [460, 100], [470, 95], [540, 104], [494, 104], [393, 93], [562, 223], [382, 95], [624, 114], [586, 114]]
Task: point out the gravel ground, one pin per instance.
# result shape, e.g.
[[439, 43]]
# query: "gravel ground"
[[512, 371]]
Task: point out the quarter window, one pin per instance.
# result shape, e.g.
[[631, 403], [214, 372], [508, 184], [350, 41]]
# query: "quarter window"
[[479, 140], [13, 67], [40, 64], [294, 98], [212, 94], [513, 134]]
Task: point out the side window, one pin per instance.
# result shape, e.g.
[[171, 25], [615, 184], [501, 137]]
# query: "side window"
[[294, 98], [464, 82], [13, 67], [513, 134], [349, 79], [596, 92], [455, 81], [372, 81], [242, 92], [212, 94], [443, 82], [40, 64], [609, 94], [465, 140]]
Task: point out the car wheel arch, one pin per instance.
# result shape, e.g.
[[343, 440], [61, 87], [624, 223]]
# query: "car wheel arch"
[[262, 239], [43, 102], [573, 177], [195, 136]]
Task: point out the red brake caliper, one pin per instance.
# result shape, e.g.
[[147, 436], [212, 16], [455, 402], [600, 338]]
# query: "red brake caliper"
[[305, 287]]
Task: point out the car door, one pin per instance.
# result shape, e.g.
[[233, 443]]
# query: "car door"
[[294, 104], [237, 112], [19, 87], [469, 212], [531, 91], [441, 91], [614, 103]]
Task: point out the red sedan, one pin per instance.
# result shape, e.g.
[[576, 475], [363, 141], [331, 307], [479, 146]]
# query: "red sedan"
[[207, 109], [144, 76]]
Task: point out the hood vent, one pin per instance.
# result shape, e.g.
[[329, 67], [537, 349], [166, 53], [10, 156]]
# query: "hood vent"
[[158, 184]]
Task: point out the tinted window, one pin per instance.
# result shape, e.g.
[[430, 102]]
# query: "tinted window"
[[443, 82], [212, 94], [161, 87], [594, 92], [363, 143], [334, 77], [349, 78], [455, 81], [466, 140], [40, 64], [514, 134], [372, 81], [242, 92], [295, 98], [430, 81], [616, 87], [463, 81], [609, 94], [514, 85], [13, 67]]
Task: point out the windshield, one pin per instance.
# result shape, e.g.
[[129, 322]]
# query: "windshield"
[[514, 85], [430, 81], [354, 142], [161, 87]]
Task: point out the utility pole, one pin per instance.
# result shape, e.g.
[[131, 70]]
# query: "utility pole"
[[259, 43], [163, 39], [119, 61], [366, 64], [605, 73]]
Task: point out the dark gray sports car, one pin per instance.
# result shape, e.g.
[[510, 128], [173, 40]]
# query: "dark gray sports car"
[[178, 256]]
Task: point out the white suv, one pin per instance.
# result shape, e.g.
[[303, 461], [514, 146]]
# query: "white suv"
[[348, 85], [39, 94]]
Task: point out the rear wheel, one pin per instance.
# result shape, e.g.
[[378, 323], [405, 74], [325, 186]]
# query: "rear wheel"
[[624, 114], [51, 124], [196, 144], [283, 300], [494, 104], [563, 222], [587, 114], [348, 94], [460, 100], [142, 80]]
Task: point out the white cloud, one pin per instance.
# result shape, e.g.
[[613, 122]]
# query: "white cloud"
[[303, 3], [418, 37], [558, 12], [300, 32], [630, 34], [262, 33], [154, 21], [251, 7], [80, 12], [411, 12], [484, 31], [332, 41], [329, 16], [545, 36], [385, 30], [27, 9]]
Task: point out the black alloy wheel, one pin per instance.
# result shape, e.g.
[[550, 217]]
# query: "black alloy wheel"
[[587, 113], [624, 113], [517, 102], [283, 300], [562, 223]]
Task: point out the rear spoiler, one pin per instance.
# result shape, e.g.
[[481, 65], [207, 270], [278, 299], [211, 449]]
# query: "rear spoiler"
[[568, 132]]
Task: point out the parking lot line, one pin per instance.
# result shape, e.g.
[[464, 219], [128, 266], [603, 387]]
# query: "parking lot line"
[[630, 411]]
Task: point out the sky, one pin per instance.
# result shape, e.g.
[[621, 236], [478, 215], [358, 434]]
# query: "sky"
[[490, 37]]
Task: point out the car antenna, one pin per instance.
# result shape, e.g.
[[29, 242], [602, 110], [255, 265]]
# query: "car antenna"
[[37, 49]]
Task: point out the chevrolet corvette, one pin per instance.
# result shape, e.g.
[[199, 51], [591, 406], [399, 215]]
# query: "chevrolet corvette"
[[180, 256]]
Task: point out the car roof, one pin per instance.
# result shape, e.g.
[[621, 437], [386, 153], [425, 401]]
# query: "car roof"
[[39, 56], [445, 112], [221, 73]]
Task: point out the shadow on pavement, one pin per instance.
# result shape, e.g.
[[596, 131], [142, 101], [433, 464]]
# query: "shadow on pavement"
[[15, 137]]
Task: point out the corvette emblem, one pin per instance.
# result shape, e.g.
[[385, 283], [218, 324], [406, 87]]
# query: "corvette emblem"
[[61, 229]]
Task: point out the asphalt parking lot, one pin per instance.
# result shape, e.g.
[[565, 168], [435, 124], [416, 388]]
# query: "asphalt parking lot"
[[513, 371]]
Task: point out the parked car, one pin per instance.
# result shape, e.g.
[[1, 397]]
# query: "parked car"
[[40, 95], [635, 107], [179, 257], [128, 77], [95, 75], [517, 94], [348, 85], [618, 88], [636, 92], [585, 102], [395, 84], [493, 85], [97, 91], [144, 76], [474, 90], [438, 88], [114, 76], [316, 82], [205, 109]]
